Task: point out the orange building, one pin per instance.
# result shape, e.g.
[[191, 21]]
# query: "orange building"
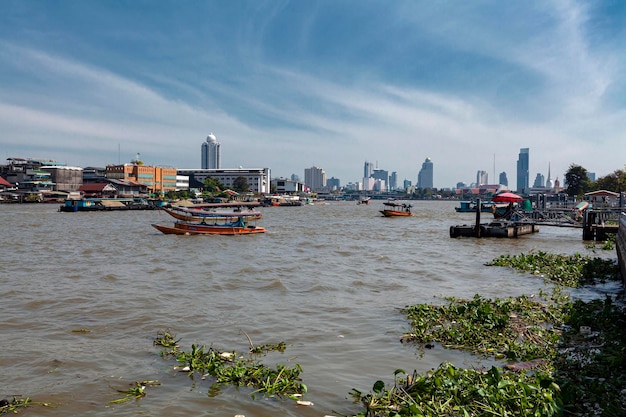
[[157, 179]]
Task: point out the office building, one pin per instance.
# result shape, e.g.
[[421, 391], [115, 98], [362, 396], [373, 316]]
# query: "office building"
[[382, 177], [315, 178], [482, 178], [156, 179], [368, 169], [211, 156], [523, 179], [425, 175], [503, 179], [258, 179], [393, 181], [333, 183]]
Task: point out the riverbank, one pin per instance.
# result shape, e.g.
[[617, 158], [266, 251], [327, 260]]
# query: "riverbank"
[[558, 356]]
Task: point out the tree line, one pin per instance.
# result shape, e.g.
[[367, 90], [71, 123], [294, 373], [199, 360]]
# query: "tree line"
[[578, 181]]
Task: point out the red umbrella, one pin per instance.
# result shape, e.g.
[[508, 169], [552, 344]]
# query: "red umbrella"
[[507, 198]]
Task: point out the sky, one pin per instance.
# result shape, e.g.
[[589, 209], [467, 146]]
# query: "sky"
[[289, 85]]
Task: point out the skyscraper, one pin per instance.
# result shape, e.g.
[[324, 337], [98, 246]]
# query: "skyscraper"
[[314, 178], [368, 169], [425, 176], [211, 157], [482, 177], [523, 179], [393, 181], [503, 179]]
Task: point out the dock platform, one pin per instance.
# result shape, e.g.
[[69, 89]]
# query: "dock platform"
[[497, 228], [494, 229]]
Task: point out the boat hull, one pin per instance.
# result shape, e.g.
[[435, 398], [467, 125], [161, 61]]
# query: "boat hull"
[[196, 229], [395, 213]]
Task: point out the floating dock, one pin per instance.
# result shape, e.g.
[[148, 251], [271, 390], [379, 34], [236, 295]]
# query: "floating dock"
[[499, 228], [494, 229]]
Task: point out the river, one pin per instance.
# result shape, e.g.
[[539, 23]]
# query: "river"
[[328, 280]]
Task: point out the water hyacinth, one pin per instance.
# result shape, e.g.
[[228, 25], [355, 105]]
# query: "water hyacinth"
[[574, 351], [568, 270], [231, 367]]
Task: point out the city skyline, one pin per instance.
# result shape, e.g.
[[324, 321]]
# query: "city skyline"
[[285, 85]]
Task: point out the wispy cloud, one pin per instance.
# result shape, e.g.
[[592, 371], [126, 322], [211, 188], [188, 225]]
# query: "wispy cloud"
[[293, 85]]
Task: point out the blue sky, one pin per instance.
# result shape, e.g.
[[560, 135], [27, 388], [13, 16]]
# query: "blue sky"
[[294, 84]]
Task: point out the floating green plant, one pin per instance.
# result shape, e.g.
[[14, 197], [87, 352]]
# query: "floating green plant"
[[451, 391], [136, 391], [514, 328], [17, 404], [231, 367], [280, 347], [582, 372], [166, 340], [569, 270]]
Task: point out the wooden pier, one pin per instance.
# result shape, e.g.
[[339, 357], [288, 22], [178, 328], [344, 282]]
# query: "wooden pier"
[[596, 224], [620, 246]]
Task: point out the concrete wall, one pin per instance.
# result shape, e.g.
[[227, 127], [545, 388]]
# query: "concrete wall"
[[621, 246]]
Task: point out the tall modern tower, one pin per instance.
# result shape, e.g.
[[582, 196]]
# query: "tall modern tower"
[[368, 169], [482, 178], [211, 157], [425, 176], [503, 179], [523, 178]]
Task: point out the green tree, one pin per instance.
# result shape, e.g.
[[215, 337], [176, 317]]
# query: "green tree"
[[615, 181], [213, 185], [577, 180], [241, 185]]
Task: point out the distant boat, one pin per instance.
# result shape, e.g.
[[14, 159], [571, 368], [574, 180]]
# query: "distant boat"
[[364, 201], [396, 209]]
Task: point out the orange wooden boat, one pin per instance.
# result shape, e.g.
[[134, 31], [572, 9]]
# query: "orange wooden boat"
[[395, 209], [185, 228], [210, 226]]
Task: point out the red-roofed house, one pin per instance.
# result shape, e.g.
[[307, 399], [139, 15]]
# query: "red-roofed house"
[[4, 184], [103, 189]]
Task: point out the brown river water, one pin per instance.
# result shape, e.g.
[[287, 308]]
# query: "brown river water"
[[328, 280]]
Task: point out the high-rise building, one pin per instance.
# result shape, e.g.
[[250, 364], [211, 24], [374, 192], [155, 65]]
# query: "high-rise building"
[[523, 179], [539, 180], [393, 181], [503, 179], [211, 156], [482, 178], [314, 178], [425, 176], [368, 169], [333, 183]]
